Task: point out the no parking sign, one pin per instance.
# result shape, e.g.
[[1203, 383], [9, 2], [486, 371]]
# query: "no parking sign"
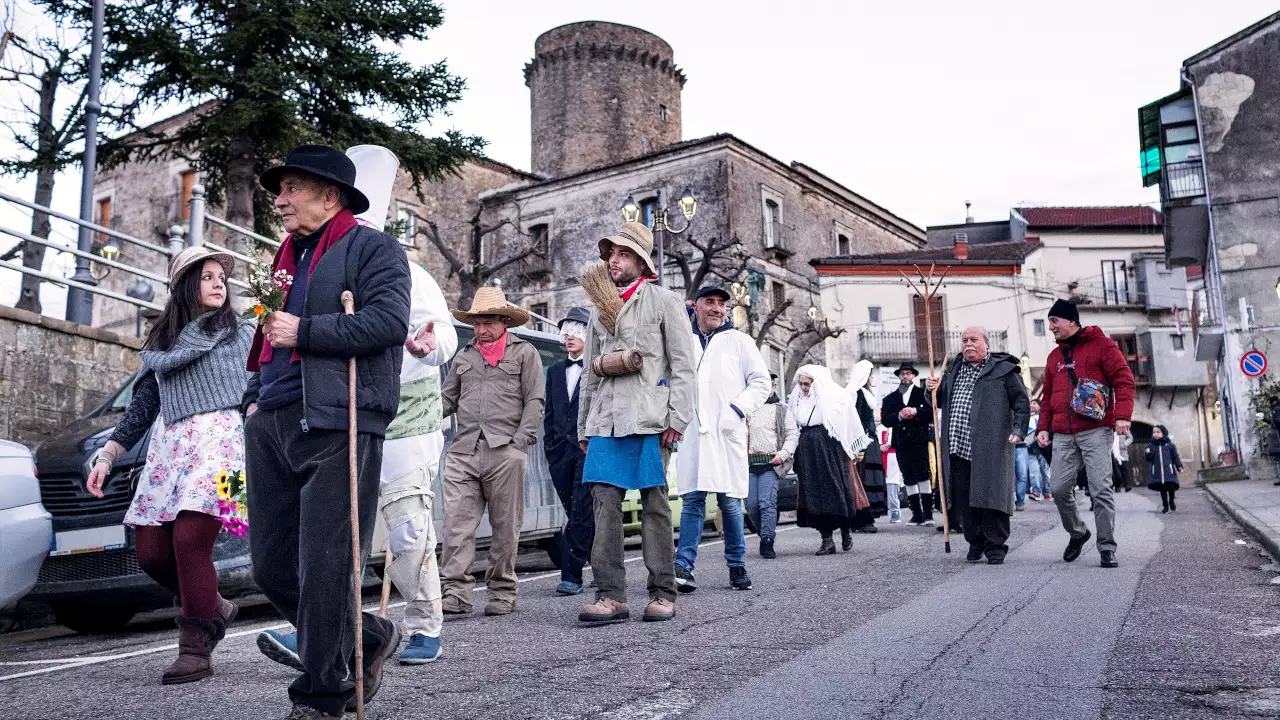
[[1253, 363]]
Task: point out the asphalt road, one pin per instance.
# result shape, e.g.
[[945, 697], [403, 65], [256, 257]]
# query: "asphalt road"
[[1187, 627]]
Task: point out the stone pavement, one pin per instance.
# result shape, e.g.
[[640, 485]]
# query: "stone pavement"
[[1255, 504]]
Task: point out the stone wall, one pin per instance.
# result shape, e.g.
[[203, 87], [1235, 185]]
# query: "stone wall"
[[53, 371]]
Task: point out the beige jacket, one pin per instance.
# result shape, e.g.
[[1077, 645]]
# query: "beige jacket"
[[658, 397], [503, 403]]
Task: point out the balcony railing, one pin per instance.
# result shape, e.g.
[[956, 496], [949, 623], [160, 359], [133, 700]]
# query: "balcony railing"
[[896, 346], [1183, 179], [1099, 293]]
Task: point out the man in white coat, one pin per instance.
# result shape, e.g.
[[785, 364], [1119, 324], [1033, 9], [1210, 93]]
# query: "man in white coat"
[[733, 382]]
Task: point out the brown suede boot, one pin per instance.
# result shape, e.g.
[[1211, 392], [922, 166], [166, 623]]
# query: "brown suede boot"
[[227, 611], [196, 640]]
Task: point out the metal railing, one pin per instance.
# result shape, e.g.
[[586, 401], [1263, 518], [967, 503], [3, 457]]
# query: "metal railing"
[[1100, 293], [1183, 179], [894, 346]]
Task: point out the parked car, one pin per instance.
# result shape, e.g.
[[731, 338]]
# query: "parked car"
[[26, 530]]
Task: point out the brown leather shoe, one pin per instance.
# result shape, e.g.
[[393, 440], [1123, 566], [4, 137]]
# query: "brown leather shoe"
[[373, 666], [604, 610], [196, 640], [659, 609], [499, 607]]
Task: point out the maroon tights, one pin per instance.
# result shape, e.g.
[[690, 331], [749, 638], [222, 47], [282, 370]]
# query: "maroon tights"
[[179, 556]]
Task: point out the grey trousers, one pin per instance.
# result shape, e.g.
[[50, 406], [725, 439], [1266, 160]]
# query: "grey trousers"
[[1092, 450], [492, 477], [655, 538]]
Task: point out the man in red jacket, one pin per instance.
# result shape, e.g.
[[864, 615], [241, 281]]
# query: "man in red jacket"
[[1078, 440]]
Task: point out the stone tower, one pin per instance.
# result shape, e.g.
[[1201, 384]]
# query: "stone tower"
[[600, 93]]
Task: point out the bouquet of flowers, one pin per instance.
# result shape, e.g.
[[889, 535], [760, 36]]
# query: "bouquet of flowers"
[[266, 290], [232, 503]]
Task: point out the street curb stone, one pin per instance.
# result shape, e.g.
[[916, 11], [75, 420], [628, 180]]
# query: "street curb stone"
[[1263, 533]]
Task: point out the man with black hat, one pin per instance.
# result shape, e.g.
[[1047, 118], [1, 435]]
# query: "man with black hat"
[[733, 382], [564, 457], [908, 413], [296, 435], [1087, 398], [772, 437]]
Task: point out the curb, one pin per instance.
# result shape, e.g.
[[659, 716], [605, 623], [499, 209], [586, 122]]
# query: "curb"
[[1268, 536]]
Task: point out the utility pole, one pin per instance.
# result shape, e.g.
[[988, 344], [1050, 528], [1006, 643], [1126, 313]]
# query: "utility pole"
[[79, 301]]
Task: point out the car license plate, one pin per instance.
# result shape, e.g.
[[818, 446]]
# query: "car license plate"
[[71, 542]]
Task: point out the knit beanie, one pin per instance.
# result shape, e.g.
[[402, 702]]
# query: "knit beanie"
[[1066, 310]]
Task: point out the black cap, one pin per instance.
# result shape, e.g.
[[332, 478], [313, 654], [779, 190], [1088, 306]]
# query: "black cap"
[[706, 290], [323, 162], [575, 314], [1066, 310]]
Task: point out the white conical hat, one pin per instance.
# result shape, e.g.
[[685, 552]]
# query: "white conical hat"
[[376, 169]]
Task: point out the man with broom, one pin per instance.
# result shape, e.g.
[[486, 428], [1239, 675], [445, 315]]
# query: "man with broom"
[[296, 437], [637, 400]]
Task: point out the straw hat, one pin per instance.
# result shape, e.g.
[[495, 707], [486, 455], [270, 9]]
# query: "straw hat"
[[198, 254], [635, 237], [490, 300]]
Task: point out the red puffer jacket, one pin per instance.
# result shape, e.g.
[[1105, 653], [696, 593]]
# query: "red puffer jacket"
[[1097, 357]]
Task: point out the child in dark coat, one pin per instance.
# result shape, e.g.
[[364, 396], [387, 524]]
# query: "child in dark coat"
[[1164, 463]]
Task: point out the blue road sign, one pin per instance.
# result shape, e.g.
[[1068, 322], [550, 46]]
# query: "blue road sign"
[[1253, 363]]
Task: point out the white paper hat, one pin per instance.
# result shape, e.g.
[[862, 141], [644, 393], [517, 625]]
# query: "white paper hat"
[[376, 169]]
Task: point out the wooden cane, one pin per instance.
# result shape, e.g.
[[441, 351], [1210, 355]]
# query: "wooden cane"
[[386, 580], [937, 458], [349, 307]]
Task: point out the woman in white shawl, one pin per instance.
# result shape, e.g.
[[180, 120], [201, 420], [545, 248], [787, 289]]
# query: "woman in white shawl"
[[870, 469], [830, 435]]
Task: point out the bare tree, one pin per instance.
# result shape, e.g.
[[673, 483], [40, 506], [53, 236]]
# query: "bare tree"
[[474, 270], [805, 339], [774, 319], [697, 260]]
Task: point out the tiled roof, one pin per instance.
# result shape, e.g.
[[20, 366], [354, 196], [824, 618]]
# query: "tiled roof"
[[1128, 216], [1005, 253]]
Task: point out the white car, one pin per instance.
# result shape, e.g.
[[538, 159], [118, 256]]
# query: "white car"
[[26, 529]]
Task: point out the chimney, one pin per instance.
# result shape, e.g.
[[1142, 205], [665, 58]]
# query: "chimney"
[[961, 246], [968, 216]]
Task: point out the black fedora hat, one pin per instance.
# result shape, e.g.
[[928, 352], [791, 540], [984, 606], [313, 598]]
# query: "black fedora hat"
[[323, 162], [906, 366]]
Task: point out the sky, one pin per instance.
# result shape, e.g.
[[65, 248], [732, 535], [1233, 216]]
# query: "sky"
[[917, 106]]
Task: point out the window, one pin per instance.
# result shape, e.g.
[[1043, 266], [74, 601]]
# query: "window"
[[1128, 343], [842, 245], [540, 238], [407, 220], [1115, 283], [874, 314], [540, 309], [188, 182], [104, 216], [925, 320], [662, 113], [648, 211], [772, 224], [1037, 327], [779, 294], [1178, 342]]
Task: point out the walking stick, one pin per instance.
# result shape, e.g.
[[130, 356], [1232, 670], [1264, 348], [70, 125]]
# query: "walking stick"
[[349, 307], [386, 580]]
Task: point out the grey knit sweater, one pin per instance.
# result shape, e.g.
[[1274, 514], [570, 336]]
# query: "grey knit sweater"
[[202, 372]]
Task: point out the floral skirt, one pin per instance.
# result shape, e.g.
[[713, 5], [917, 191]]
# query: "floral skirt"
[[183, 461]]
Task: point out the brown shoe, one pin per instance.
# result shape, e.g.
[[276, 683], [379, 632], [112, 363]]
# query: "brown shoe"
[[604, 610], [196, 640], [659, 609], [306, 712], [451, 605], [499, 607], [373, 666]]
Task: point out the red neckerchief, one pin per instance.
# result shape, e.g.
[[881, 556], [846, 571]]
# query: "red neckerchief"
[[261, 351], [631, 290], [493, 352]]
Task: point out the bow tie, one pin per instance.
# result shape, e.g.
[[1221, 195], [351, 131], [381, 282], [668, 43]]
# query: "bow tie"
[[575, 362]]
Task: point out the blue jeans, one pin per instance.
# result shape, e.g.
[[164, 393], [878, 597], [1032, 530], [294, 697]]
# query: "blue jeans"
[[1038, 470], [692, 516], [762, 503], [1020, 471]]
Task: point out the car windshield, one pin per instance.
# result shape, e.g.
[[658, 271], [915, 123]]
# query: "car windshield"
[[122, 398]]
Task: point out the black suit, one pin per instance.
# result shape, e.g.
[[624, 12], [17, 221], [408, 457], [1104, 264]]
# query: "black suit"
[[910, 437], [565, 461]]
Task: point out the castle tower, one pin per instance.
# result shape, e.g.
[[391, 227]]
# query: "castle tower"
[[600, 93]]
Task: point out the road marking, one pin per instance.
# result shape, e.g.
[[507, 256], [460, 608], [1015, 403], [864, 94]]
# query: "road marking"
[[70, 663]]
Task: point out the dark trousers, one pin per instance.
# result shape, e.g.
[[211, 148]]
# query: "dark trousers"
[[179, 556], [655, 542], [299, 518], [580, 528], [983, 527]]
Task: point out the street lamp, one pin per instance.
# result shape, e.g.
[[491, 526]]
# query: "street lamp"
[[742, 301], [630, 210], [661, 220], [110, 249]]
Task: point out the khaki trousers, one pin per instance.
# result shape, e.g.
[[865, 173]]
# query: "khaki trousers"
[[492, 477]]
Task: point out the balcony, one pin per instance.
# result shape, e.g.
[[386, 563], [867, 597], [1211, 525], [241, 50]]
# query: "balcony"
[[775, 241], [1182, 180], [1099, 293], [891, 346]]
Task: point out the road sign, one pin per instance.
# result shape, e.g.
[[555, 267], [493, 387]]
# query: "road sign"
[[1253, 363]]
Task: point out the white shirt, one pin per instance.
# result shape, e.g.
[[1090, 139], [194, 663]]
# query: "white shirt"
[[807, 411], [572, 374], [427, 304]]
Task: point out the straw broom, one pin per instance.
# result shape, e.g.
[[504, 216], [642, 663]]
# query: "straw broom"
[[602, 292]]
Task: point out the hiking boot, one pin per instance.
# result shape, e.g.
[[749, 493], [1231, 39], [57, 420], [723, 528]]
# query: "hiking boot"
[[373, 666], [451, 605], [738, 579], [569, 587], [659, 609], [684, 579], [828, 546], [196, 640], [604, 610], [1075, 546], [1109, 559], [846, 540], [306, 712], [421, 650], [498, 606], [766, 550], [975, 554], [281, 647]]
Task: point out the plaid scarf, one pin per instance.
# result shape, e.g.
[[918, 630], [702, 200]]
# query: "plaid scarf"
[[961, 408]]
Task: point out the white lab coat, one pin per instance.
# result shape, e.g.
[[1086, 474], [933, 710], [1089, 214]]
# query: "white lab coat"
[[713, 452]]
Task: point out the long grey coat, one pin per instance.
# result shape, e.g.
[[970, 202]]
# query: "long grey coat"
[[1000, 409]]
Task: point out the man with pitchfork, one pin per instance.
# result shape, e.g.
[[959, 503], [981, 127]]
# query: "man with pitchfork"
[[296, 437]]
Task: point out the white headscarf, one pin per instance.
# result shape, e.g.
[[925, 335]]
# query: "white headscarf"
[[858, 383], [839, 414]]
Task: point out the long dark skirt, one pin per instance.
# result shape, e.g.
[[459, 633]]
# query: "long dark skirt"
[[825, 499], [871, 470]]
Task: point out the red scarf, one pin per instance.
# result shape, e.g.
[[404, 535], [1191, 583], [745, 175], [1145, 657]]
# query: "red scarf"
[[261, 351], [493, 352], [631, 290]]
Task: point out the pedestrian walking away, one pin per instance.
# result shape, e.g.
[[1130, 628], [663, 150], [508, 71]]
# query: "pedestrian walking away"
[[1088, 395], [1164, 466], [732, 383], [297, 435], [985, 411], [831, 435], [188, 399], [892, 474], [637, 403], [1037, 460], [870, 469], [564, 458], [495, 386], [907, 412], [772, 436]]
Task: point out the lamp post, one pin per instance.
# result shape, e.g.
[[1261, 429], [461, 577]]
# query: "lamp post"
[[140, 289], [661, 225], [80, 301]]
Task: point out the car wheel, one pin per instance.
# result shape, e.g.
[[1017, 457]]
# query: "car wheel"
[[554, 546], [93, 619]]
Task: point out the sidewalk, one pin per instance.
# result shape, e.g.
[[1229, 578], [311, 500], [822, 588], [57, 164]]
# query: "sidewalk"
[[1255, 504]]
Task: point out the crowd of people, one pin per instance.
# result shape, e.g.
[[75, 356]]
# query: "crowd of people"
[[647, 374]]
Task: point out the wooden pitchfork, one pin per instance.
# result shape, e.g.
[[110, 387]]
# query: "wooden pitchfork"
[[931, 287], [349, 307]]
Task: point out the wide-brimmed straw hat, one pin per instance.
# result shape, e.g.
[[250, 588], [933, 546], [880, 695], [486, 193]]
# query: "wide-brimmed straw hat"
[[198, 254], [635, 237], [491, 301]]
